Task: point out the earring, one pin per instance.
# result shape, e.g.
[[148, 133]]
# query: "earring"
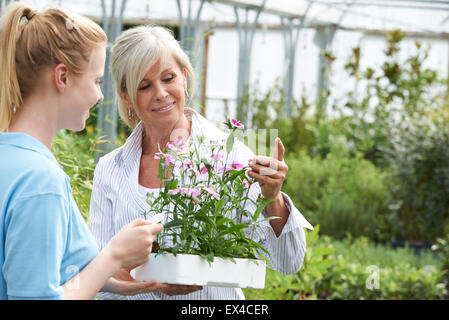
[[130, 114], [14, 109]]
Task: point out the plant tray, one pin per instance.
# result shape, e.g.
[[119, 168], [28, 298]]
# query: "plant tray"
[[190, 269]]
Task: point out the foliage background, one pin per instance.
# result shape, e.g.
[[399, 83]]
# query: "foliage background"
[[373, 180]]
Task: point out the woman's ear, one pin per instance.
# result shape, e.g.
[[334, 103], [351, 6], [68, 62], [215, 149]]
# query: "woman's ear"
[[60, 76], [126, 101], [185, 80]]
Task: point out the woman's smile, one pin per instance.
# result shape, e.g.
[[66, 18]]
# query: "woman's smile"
[[164, 108]]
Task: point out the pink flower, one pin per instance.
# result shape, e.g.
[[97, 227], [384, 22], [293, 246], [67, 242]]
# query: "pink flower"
[[212, 192], [236, 165], [177, 142], [216, 156], [169, 160], [195, 193], [237, 124], [203, 170], [173, 191], [159, 155], [186, 164], [170, 146], [191, 191]]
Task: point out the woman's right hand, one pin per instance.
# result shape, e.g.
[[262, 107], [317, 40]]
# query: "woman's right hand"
[[132, 245]]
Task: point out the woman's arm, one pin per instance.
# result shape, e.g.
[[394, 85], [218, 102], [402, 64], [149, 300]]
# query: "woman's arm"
[[130, 247], [284, 238], [270, 172]]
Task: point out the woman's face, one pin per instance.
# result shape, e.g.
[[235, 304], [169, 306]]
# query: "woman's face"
[[84, 92], [161, 95]]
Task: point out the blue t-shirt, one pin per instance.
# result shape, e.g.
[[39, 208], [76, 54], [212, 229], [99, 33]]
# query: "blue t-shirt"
[[44, 240]]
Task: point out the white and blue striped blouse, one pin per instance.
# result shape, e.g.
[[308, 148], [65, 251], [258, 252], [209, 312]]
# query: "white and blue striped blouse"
[[117, 199]]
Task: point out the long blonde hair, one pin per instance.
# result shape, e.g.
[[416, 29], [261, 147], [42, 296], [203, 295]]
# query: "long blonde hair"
[[31, 41], [134, 52]]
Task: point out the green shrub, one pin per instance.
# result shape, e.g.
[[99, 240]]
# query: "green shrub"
[[442, 247], [356, 269], [367, 271], [301, 285], [76, 154], [352, 281], [400, 122], [418, 179], [343, 194]]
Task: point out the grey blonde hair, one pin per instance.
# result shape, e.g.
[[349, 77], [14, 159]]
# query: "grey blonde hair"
[[134, 52]]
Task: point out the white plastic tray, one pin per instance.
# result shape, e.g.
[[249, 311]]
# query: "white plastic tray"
[[193, 270]]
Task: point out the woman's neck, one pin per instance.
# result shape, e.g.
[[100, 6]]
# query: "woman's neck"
[[154, 139], [35, 119]]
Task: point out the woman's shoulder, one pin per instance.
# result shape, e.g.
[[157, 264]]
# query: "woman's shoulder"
[[202, 126], [32, 174], [109, 161]]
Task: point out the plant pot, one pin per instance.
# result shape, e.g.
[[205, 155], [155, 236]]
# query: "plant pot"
[[190, 269]]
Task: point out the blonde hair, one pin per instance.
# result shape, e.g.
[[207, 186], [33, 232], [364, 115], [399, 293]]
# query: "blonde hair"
[[134, 52], [31, 41]]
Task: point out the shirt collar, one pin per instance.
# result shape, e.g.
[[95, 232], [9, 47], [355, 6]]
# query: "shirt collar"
[[131, 151], [132, 148], [25, 141]]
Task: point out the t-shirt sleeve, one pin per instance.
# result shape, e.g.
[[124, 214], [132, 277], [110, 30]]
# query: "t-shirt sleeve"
[[36, 233]]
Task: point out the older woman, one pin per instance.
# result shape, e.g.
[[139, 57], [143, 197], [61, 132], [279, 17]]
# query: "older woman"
[[151, 72]]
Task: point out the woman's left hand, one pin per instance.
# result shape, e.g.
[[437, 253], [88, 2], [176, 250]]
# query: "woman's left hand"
[[123, 283], [270, 172]]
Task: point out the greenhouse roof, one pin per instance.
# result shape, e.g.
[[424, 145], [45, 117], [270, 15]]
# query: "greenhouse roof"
[[428, 16], [414, 16]]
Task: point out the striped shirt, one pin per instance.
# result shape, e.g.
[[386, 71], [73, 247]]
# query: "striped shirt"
[[117, 199]]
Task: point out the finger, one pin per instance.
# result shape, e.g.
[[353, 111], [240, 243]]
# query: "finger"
[[264, 179], [178, 289], [279, 150], [138, 222], [137, 287], [151, 228], [155, 228], [265, 171], [263, 160], [280, 167]]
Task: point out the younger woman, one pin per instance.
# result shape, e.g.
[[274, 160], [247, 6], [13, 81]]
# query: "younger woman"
[[52, 64]]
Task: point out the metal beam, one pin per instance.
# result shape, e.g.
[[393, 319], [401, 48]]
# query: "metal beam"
[[246, 32], [290, 45], [444, 2], [367, 15], [395, 5], [107, 115], [188, 26], [240, 4], [324, 38], [192, 41]]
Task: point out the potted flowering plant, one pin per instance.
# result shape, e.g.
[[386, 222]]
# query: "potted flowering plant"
[[209, 235]]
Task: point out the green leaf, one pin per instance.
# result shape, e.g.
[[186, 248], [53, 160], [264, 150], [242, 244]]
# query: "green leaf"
[[230, 143], [262, 203], [202, 217], [233, 229], [173, 223]]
